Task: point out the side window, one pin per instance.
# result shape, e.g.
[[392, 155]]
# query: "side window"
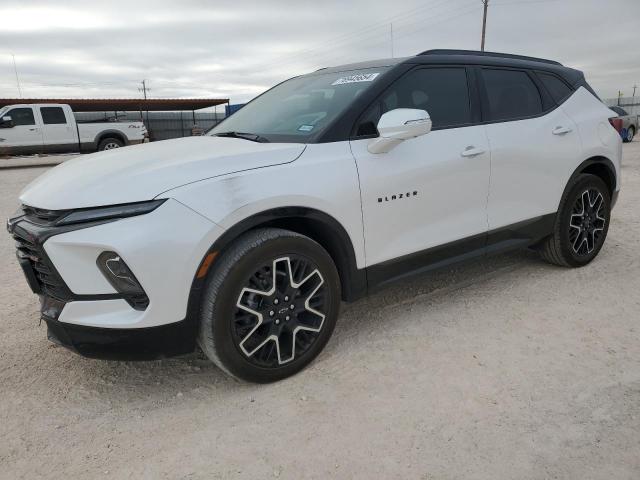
[[52, 115], [442, 92], [557, 88], [21, 116], [511, 94]]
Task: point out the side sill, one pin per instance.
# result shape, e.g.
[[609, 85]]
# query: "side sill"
[[503, 239]]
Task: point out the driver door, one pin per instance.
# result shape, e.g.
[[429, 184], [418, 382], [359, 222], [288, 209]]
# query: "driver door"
[[24, 136], [429, 191]]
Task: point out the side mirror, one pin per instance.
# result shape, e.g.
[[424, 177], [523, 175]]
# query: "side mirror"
[[398, 125], [6, 122]]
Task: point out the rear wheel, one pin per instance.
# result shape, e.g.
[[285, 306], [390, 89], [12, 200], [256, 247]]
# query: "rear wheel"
[[110, 144], [581, 224], [269, 306]]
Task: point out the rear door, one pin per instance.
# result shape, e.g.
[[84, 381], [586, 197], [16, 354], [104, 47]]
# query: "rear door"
[[58, 130], [25, 136], [431, 190], [534, 145]]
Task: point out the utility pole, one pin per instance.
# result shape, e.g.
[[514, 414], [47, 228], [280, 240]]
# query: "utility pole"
[[15, 69], [619, 97], [634, 93], [144, 89], [484, 23]]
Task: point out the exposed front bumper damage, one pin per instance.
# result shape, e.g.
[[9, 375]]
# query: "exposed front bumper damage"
[[83, 311]]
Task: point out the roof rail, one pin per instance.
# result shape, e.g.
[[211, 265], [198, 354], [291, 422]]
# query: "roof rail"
[[444, 51]]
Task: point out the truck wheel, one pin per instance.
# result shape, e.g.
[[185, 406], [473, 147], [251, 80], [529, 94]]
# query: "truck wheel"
[[269, 306], [630, 134], [581, 223], [109, 144]]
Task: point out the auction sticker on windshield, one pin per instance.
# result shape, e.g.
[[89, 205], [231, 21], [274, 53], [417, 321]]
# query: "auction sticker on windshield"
[[361, 77]]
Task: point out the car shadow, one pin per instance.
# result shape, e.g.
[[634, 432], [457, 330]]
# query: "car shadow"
[[195, 373]]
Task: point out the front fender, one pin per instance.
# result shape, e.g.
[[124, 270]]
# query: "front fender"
[[324, 178]]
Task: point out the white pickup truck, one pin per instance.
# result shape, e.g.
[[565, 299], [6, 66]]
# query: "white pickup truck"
[[52, 128]]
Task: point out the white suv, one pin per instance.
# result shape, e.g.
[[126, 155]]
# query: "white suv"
[[320, 190]]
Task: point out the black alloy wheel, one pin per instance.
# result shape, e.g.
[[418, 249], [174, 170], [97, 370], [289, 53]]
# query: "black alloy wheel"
[[269, 306], [587, 222], [581, 224], [280, 311]]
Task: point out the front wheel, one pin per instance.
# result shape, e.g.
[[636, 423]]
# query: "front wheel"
[[581, 224], [269, 306]]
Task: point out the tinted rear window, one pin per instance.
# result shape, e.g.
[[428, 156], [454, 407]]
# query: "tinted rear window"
[[559, 90], [511, 94], [52, 115]]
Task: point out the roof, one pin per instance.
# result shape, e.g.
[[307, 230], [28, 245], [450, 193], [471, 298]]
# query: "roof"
[[123, 104], [466, 57], [477, 53]]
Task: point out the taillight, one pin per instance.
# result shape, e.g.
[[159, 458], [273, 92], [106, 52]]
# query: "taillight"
[[616, 123]]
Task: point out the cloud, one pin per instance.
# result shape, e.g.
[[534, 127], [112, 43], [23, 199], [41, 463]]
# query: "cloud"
[[237, 49]]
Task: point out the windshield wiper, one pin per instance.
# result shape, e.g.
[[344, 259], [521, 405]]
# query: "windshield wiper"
[[254, 137]]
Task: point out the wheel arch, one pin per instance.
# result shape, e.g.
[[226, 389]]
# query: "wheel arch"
[[601, 167], [110, 134], [317, 225]]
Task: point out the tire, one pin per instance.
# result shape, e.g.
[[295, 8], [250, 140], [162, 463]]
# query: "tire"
[[265, 337], [109, 144], [579, 233], [631, 131]]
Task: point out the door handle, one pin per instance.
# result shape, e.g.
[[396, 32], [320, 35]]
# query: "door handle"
[[33, 129], [559, 130], [471, 151]]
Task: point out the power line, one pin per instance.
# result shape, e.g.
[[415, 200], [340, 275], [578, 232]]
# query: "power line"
[[410, 16], [419, 21], [15, 69]]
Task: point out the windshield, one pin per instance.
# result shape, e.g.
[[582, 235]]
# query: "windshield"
[[299, 108]]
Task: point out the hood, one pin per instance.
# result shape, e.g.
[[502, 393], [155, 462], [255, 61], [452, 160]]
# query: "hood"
[[142, 172]]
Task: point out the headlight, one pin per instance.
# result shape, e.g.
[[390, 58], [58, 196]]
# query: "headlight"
[[106, 213]]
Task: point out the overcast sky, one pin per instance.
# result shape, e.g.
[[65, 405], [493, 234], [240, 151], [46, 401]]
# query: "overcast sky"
[[237, 49]]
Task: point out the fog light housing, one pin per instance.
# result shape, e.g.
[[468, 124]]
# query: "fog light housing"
[[122, 279]]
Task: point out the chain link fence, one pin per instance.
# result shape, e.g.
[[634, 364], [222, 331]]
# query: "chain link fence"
[[161, 125]]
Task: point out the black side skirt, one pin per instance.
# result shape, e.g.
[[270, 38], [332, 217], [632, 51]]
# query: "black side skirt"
[[511, 237]]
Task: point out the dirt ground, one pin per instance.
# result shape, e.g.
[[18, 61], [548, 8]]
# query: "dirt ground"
[[502, 368]]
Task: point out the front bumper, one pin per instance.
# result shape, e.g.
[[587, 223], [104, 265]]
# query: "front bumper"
[[83, 311]]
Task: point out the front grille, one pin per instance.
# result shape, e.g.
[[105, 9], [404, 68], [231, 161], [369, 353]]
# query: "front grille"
[[49, 281]]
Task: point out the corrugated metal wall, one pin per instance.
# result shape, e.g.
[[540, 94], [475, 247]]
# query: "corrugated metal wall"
[[162, 125]]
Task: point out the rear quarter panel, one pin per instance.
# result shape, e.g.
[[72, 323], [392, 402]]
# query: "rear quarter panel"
[[597, 137]]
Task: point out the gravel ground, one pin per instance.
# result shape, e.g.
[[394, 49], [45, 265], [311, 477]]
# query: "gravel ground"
[[501, 368]]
